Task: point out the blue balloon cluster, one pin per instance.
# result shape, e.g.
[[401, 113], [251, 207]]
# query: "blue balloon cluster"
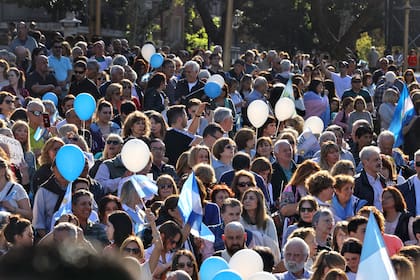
[[156, 60], [212, 89], [84, 106], [227, 274], [211, 266], [51, 96], [70, 161]]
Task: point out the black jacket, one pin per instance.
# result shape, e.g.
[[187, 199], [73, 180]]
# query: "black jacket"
[[362, 188]]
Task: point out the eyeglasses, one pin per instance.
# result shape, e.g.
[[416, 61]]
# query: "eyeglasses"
[[36, 113], [418, 163], [113, 142], [132, 250], [166, 186], [245, 184], [356, 81], [79, 72], [230, 147], [183, 265], [306, 209], [8, 101]]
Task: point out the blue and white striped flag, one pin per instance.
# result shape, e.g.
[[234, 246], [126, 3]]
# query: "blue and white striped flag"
[[145, 187], [403, 114], [191, 210], [65, 206], [374, 261]]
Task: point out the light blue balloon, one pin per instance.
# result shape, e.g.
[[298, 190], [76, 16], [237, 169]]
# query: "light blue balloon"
[[156, 60], [51, 96], [70, 161], [227, 274], [85, 106], [211, 266], [212, 89]]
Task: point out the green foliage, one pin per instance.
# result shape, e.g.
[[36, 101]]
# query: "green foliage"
[[196, 40], [363, 45]]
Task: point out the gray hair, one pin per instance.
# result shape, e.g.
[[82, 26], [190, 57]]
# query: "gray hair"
[[222, 113], [368, 151], [327, 136], [321, 213], [204, 74], [297, 241], [285, 65], [235, 226], [194, 65], [115, 69], [385, 134], [279, 143], [417, 153], [260, 81], [35, 101], [70, 228], [119, 59], [90, 64]]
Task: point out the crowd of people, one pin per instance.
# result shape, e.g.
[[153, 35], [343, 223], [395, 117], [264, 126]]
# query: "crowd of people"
[[305, 213]]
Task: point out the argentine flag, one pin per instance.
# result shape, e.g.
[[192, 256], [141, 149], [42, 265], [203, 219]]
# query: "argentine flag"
[[374, 261], [403, 114], [144, 186], [191, 210], [65, 206]]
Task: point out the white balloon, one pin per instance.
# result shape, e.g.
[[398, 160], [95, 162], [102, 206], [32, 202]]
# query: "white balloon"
[[262, 276], [246, 262], [135, 155], [315, 124], [284, 109], [217, 79], [257, 113], [147, 51]]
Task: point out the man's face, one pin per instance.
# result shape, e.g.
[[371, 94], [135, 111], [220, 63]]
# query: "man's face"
[[190, 74], [364, 140], [57, 49], [22, 30], [234, 240], [117, 76], [79, 73], [417, 167], [356, 84], [385, 145], [325, 224], [284, 153], [231, 214], [294, 258], [158, 151], [211, 138], [34, 114], [42, 64], [169, 69], [360, 232], [373, 164]]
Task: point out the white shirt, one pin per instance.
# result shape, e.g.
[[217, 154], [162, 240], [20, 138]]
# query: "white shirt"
[[341, 84], [377, 191]]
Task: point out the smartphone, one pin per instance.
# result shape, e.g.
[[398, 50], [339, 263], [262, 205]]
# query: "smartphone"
[[46, 119]]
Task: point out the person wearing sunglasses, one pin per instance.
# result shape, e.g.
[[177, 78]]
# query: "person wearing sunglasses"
[[34, 112], [81, 83], [242, 181], [223, 151], [113, 146], [185, 260]]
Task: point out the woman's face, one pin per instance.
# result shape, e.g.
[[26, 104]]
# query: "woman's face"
[[185, 264], [409, 77], [220, 197], [110, 230], [250, 201], [244, 183], [332, 157], [166, 188], [83, 208], [12, 77], [138, 128], [306, 212], [319, 88], [229, 151], [155, 127], [352, 261], [310, 240], [270, 130], [246, 85], [385, 172], [132, 250], [250, 144], [26, 239], [264, 174], [340, 237], [109, 208], [359, 106], [387, 200], [21, 134], [203, 157], [264, 149], [52, 152], [345, 193], [105, 114], [8, 105], [113, 147]]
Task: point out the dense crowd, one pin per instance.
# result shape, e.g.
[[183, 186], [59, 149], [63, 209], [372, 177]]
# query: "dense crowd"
[[303, 210]]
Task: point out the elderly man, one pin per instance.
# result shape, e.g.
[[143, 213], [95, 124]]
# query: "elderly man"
[[234, 238], [159, 167], [117, 74], [411, 188], [283, 167], [386, 143], [23, 39], [369, 184], [99, 56], [285, 74], [224, 117], [34, 112], [296, 253], [190, 86], [260, 89], [41, 80]]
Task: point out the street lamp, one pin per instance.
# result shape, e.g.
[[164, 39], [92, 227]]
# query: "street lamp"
[[70, 24]]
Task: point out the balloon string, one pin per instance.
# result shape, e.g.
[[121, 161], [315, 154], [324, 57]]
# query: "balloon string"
[[256, 139], [83, 129], [277, 130]]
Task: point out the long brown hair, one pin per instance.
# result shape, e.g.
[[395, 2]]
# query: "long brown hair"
[[261, 212]]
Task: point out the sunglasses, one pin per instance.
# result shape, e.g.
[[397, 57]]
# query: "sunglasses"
[[36, 113], [113, 142], [183, 265], [132, 250], [245, 184], [418, 163], [356, 81], [8, 101], [79, 72], [306, 209], [166, 186], [230, 147]]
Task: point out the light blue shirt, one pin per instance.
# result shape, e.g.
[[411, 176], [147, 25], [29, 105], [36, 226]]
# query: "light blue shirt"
[[61, 66]]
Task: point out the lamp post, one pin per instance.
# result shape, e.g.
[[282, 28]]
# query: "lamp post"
[[407, 8], [228, 36], [70, 24]]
